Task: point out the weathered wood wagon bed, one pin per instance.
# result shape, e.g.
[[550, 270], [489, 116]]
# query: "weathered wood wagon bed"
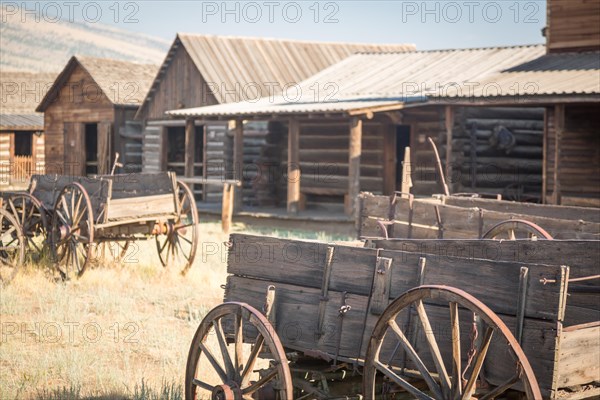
[[402, 319], [75, 216], [455, 217]]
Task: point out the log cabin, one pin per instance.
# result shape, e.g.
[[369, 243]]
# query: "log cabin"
[[201, 70], [517, 122], [21, 127], [356, 141], [89, 116]]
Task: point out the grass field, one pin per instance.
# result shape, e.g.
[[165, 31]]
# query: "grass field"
[[119, 332]]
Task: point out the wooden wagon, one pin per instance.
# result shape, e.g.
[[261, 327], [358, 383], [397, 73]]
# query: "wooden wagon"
[[442, 319], [75, 216], [454, 217]]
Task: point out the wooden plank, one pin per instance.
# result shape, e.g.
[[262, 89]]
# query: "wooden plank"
[[540, 210], [355, 151], [293, 167], [238, 161], [140, 184], [353, 271], [132, 207], [296, 313], [579, 354]]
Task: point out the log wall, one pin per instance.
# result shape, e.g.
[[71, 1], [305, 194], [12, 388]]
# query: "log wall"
[[577, 179]]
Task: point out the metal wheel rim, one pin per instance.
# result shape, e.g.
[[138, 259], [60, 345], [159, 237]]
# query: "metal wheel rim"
[[237, 371], [517, 225], [66, 251], [171, 245], [459, 298], [10, 231]]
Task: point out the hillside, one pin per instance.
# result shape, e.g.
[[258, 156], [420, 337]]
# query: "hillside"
[[45, 46]]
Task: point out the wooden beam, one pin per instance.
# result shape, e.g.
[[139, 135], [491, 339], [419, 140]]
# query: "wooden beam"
[[227, 207], [238, 162], [190, 145], [163, 149], [547, 111], [389, 158], [449, 121], [293, 167], [354, 165], [559, 124]]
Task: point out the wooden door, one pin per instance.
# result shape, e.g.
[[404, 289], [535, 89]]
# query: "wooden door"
[[104, 147], [74, 149]]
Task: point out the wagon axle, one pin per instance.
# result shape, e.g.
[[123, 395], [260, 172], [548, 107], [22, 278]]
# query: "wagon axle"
[[168, 228]]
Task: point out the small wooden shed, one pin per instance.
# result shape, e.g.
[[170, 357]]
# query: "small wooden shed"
[[21, 127], [201, 70], [89, 115]]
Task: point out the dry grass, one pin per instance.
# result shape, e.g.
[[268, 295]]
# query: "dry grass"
[[119, 332]]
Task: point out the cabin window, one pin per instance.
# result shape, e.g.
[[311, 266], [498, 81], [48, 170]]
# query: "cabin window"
[[91, 148], [23, 143]]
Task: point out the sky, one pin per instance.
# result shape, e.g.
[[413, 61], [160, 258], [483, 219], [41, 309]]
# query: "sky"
[[427, 24]]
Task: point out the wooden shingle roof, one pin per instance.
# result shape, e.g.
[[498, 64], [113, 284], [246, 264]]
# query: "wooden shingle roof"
[[20, 93], [124, 83]]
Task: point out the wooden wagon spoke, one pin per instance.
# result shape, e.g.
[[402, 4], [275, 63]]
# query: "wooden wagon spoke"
[[258, 344], [433, 347], [480, 358], [416, 359], [203, 385], [229, 368], [65, 207], [260, 383], [400, 381], [456, 356], [186, 239], [213, 361], [60, 215]]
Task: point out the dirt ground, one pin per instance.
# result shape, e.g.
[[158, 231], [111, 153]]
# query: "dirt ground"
[[121, 331]]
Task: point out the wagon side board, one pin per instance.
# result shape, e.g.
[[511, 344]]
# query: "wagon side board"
[[581, 257], [418, 218]]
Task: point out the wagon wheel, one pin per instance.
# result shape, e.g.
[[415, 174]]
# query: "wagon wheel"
[[178, 245], [451, 381], [513, 229], [226, 366], [72, 231], [31, 215], [12, 246]]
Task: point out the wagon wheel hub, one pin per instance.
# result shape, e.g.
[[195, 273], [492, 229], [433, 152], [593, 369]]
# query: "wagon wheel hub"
[[230, 391]]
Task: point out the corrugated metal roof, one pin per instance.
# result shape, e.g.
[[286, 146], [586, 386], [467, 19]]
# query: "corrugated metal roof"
[[124, 83], [236, 63], [547, 75], [21, 92], [377, 78], [33, 122]]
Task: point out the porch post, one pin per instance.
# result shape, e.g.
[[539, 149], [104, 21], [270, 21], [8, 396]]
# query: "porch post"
[[190, 147], [354, 165], [238, 162], [449, 122], [293, 167]]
